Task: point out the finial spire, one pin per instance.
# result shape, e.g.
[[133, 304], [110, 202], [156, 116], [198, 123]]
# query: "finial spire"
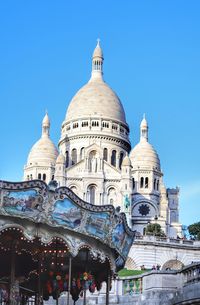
[[45, 125], [144, 129], [97, 62]]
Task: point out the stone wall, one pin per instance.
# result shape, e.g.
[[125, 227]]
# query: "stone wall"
[[151, 250]]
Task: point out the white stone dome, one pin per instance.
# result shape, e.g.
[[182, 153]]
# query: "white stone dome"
[[43, 150], [96, 99], [143, 156]]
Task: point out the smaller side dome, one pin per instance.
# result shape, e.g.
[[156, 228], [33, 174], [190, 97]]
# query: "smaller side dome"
[[126, 161], [60, 159], [143, 155], [43, 151]]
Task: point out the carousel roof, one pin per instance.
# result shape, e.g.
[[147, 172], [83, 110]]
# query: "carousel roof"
[[46, 212]]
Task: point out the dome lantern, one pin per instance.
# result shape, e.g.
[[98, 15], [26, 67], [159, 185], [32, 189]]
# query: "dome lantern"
[[97, 62], [45, 126], [144, 129]]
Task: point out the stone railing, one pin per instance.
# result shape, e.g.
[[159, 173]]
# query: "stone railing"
[[153, 238], [191, 274], [132, 285]]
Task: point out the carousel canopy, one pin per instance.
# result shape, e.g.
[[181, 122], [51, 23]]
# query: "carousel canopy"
[[45, 212]]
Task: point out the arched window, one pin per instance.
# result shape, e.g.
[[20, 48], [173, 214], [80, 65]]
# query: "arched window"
[[113, 158], [82, 153], [44, 177], [146, 183], [67, 159], [39, 176], [112, 196], [52, 178], [173, 216], [74, 189], [31, 177], [141, 182], [121, 159], [154, 184], [28, 177], [133, 181], [93, 161], [105, 154], [92, 194], [74, 156], [157, 187]]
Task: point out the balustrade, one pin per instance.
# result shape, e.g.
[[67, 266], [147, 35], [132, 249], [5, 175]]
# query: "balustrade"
[[132, 286]]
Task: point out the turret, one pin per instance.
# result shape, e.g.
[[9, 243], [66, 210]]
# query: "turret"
[[60, 170]]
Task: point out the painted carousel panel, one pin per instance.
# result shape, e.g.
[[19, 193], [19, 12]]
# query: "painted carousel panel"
[[118, 235], [67, 213], [26, 203], [98, 224]]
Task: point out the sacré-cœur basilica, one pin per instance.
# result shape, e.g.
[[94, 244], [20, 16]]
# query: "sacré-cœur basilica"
[[95, 159]]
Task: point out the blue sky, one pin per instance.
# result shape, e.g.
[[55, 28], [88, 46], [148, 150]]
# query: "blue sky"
[[152, 61]]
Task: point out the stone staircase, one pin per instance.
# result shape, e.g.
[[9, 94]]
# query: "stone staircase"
[[99, 300], [114, 300]]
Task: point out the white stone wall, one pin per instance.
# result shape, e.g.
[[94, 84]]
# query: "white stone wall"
[[152, 252]]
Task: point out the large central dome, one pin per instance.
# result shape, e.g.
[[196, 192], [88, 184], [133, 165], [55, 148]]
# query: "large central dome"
[[95, 114], [96, 98]]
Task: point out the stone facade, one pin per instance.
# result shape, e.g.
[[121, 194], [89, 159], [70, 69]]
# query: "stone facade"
[[96, 160]]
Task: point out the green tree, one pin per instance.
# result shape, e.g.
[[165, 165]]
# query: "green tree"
[[154, 229], [194, 230]]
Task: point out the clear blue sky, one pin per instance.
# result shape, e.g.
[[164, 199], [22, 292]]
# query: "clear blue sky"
[[152, 61]]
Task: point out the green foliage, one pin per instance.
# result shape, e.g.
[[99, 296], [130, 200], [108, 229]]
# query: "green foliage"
[[154, 229], [194, 230], [126, 272]]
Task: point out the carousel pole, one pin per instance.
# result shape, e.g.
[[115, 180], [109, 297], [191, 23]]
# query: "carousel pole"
[[56, 271], [84, 290], [39, 279], [69, 279], [12, 275], [108, 288]]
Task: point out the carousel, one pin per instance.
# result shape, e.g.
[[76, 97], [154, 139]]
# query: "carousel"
[[52, 242]]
